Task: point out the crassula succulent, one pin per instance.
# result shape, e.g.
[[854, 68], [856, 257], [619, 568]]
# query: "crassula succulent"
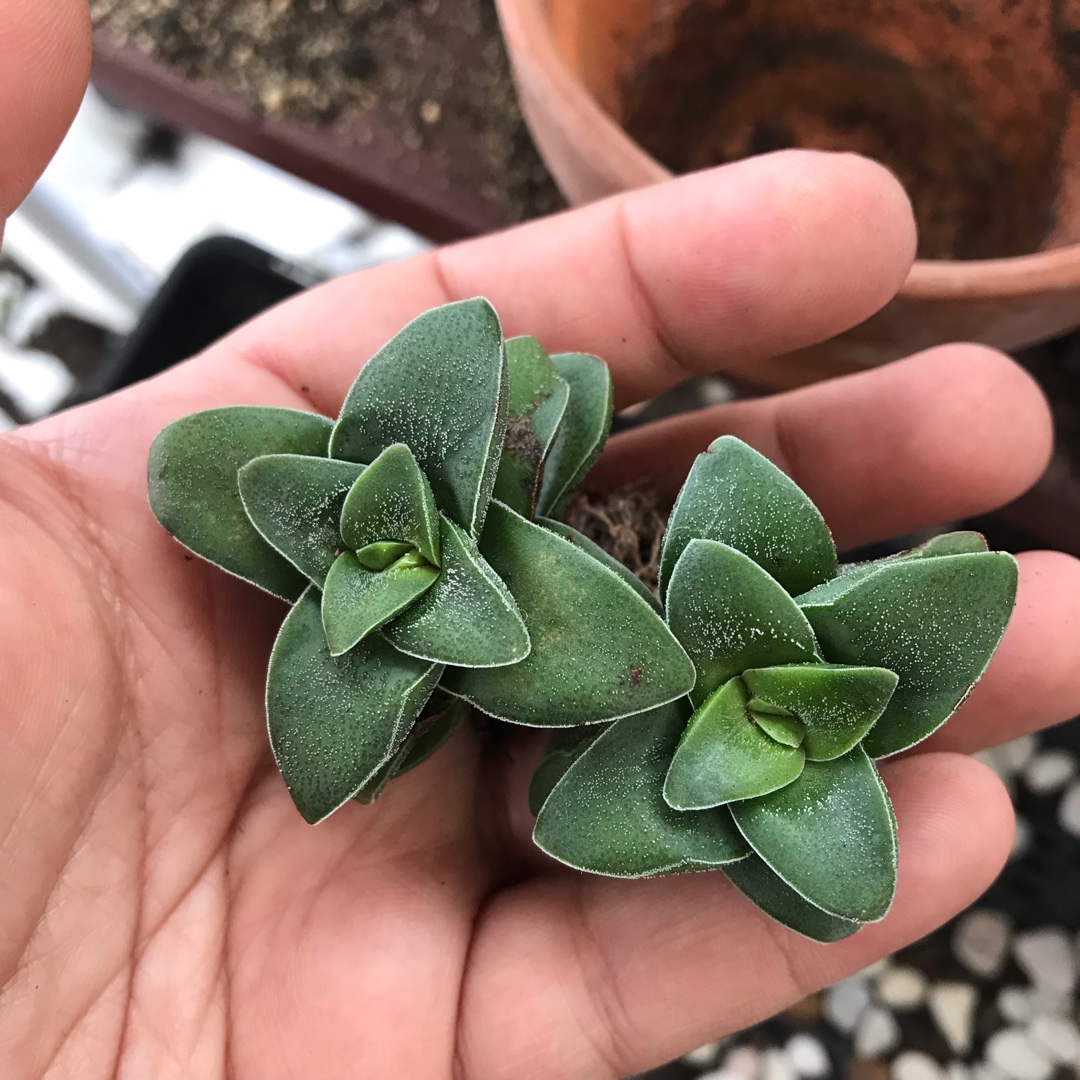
[[806, 673], [415, 538]]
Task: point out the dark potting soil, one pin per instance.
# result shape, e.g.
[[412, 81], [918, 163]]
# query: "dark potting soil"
[[433, 70], [970, 103]]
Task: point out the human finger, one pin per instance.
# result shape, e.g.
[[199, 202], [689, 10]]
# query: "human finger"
[[708, 272], [45, 46], [574, 976], [947, 434]]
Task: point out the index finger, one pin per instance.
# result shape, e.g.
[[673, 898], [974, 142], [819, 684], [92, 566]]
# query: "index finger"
[[708, 273]]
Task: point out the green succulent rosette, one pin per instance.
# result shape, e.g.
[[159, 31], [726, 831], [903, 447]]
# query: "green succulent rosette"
[[806, 673], [413, 537]]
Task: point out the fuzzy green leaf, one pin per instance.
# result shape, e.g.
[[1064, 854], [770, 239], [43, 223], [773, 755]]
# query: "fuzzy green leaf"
[[469, 618], [357, 601], [830, 835], [607, 814], [535, 405], [564, 747], [584, 430], [392, 500], [194, 492], [724, 756], [730, 615], [954, 543], [599, 651], [934, 621], [738, 497], [442, 716], [382, 553], [334, 721], [763, 888], [295, 503], [439, 387], [837, 705], [597, 552]]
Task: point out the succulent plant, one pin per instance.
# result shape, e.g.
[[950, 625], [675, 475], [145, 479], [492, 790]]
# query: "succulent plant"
[[405, 574], [806, 672]]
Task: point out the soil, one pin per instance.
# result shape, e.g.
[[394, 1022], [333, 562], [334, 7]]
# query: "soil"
[[971, 104], [435, 70]]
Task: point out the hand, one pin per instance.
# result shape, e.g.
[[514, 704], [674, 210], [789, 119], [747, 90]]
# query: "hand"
[[164, 909]]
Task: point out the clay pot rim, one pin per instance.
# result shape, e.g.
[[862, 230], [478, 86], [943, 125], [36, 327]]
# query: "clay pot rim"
[[533, 49]]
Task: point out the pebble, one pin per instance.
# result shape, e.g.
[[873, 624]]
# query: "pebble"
[[778, 1066], [952, 1005], [915, 1065], [808, 1056], [1069, 810], [702, 1056], [1057, 1037], [1046, 957], [980, 941], [1049, 771], [1014, 1055], [743, 1062], [956, 1070], [877, 1033], [984, 1070], [1023, 835], [846, 1002], [1015, 1004], [902, 988], [1016, 754]]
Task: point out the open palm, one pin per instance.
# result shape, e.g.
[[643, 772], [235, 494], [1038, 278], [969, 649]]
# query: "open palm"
[[164, 909]]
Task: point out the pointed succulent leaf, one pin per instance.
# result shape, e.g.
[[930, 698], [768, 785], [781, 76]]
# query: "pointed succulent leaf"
[[598, 553], [607, 814], [535, 405], [295, 503], [935, 622], [439, 387], [468, 618], [334, 721], [441, 717], [356, 600], [762, 887], [392, 500], [837, 704], [724, 756], [382, 553], [599, 651], [954, 543], [564, 747], [731, 615], [584, 430], [784, 729], [194, 492], [737, 496], [830, 835]]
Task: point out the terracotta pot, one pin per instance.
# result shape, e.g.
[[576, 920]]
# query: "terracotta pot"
[[971, 104]]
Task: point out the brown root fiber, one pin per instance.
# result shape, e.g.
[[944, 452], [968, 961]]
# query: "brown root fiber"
[[628, 524]]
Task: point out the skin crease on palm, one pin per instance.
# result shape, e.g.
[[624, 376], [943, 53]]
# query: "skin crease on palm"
[[165, 912]]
